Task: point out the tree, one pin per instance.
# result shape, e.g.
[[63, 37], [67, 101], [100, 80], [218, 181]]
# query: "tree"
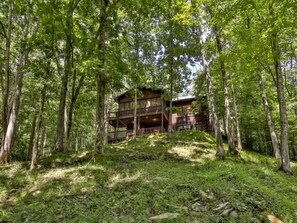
[[101, 79], [25, 47], [230, 139], [60, 130], [5, 83], [273, 136], [217, 130]]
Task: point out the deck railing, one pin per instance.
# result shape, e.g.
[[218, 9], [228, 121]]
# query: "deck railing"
[[140, 112]]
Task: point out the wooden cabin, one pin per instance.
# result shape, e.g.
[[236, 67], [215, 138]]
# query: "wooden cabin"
[[152, 115]]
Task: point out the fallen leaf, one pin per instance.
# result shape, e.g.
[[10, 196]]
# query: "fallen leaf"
[[274, 219]]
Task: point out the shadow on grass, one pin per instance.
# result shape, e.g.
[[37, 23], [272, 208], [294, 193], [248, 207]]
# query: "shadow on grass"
[[138, 179]]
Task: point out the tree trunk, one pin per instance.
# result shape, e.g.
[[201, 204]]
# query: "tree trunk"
[[61, 114], [18, 84], [282, 102], [282, 110], [232, 148], [74, 95], [239, 144], [60, 131], [6, 82], [108, 107], [43, 141], [136, 79], [100, 81], [38, 129], [77, 140], [220, 149], [170, 104], [5, 150], [171, 71], [135, 114], [31, 141], [273, 136]]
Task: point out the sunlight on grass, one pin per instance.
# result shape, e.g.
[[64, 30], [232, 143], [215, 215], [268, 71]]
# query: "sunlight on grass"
[[152, 175], [182, 152], [3, 196], [193, 154], [120, 178], [11, 169], [70, 173], [81, 155], [56, 174]]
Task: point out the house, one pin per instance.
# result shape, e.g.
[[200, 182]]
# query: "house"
[[152, 115]]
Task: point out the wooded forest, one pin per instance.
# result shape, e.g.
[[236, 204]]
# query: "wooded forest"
[[64, 61]]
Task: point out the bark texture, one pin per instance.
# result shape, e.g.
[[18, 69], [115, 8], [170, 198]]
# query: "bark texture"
[[273, 136], [232, 148], [74, 95], [32, 135], [38, 131], [238, 134], [5, 150], [17, 88], [220, 149], [286, 167], [135, 113], [6, 83], [101, 81]]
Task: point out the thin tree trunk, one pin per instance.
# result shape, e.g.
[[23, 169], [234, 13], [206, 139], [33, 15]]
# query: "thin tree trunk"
[[61, 114], [76, 140], [239, 144], [170, 104], [38, 129], [275, 145], [101, 81], [74, 95], [282, 103], [261, 145], [171, 72], [135, 124], [107, 111], [232, 148], [135, 113], [31, 141], [220, 149], [42, 140]]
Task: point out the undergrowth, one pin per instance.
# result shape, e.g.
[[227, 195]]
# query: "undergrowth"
[[135, 181]]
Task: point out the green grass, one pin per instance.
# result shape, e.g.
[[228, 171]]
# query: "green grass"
[[136, 180]]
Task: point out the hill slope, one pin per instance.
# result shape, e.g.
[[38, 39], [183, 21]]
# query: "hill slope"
[[150, 179]]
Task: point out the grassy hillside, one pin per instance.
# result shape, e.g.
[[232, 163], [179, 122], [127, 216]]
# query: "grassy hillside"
[[152, 179]]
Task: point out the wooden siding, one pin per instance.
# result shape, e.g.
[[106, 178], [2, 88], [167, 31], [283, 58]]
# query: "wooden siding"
[[152, 116]]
